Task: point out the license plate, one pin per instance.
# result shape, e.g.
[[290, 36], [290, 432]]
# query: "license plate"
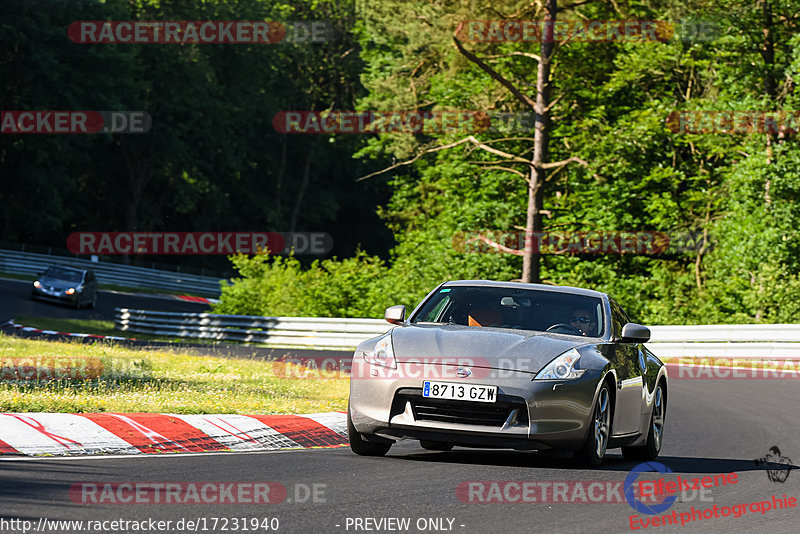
[[456, 391]]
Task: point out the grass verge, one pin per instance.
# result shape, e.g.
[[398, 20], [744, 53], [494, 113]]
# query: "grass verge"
[[90, 326], [100, 328], [106, 328], [107, 378]]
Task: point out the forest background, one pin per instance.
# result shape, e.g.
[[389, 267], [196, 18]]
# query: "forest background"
[[398, 205]]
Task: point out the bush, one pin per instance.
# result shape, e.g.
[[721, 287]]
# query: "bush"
[[278, 286]]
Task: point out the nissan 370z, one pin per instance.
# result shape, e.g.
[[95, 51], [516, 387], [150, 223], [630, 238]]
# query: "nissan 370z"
[[510, 365]]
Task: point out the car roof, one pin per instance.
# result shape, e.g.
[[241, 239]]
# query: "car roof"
[[521, 285]]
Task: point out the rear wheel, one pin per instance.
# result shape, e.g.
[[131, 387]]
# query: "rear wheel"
[[593, 451], [655, 435], [361, 446], [435, 445]]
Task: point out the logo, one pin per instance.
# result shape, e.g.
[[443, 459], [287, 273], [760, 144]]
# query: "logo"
[[208, 31], [220, 243], [74, 122], [777, 466], [463, 372], [629, 486]]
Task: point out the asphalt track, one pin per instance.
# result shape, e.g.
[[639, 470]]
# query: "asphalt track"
[[713, 426], [15, 301]]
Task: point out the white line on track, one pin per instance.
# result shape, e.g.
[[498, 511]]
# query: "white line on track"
[[148, 456]]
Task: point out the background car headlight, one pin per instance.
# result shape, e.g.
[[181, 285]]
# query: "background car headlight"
[[382, 354], [37, 284], [70, 291], [562, 368]]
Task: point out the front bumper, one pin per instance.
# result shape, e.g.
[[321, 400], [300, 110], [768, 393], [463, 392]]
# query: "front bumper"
[[56, 295], [528, 414]]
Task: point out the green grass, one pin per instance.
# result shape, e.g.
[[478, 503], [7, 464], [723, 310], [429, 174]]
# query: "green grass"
[[14, 276], [154, 381], [90, 326], [106, 328]]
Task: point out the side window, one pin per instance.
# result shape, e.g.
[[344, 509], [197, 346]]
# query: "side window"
[[618, 318], [433, 315]]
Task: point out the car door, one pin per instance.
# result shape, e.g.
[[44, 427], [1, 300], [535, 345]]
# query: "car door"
[[92, 284], [630, 382]]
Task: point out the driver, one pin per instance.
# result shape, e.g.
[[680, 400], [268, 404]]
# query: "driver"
[[583, 319], [485, 316]]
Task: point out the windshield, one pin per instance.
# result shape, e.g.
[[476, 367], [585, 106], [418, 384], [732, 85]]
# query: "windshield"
[[64, 274], [524, 309]]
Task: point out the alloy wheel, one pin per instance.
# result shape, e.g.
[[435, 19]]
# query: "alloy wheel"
[[602, 416]]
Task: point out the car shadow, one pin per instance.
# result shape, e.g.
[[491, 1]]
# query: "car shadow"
[[614, 462]]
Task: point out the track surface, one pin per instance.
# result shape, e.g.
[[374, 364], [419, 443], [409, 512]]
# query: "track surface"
[[713, 426], [15, 300]]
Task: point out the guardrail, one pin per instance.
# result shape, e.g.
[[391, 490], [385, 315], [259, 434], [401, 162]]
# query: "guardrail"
[[778, 341], [313, 332], [31, 263], [741, 341]]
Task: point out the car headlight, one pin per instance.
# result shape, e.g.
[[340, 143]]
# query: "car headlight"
[[382, 354], [37, 284], [562, 368], [70, 291]]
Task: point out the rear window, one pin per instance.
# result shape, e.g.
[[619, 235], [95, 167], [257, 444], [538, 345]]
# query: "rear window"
[[523, 309]]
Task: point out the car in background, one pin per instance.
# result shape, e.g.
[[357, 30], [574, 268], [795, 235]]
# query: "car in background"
[[510, 365], [77, 287]]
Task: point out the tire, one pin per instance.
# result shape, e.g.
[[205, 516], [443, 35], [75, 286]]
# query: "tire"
[[77, 304], [93, 302], [361, 446], [593, 451], [655, 435], [435, 445]]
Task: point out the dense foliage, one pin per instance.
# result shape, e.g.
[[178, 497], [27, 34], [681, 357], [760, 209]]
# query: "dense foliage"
[[214, 160]]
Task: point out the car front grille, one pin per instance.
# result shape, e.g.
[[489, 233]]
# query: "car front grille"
[[460, 412]]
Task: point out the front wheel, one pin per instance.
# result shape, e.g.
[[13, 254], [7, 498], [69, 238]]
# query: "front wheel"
[[655, 435], [361, 446], [593, 451]]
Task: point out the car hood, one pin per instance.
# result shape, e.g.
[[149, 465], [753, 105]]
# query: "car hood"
[[493, 348], [57, 283]]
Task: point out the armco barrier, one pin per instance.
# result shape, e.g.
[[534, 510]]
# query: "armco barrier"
[[777, 341], [314, 332], [741, 341], [32, 264]]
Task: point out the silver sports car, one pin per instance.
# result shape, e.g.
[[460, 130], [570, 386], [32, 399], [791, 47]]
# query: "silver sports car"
[[510, 365]]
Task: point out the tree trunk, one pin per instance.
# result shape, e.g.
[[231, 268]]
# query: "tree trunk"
[[140, 170], [304, 181], [541, 141]]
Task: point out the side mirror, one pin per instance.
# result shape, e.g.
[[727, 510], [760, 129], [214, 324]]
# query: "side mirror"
[[635, 333], [395, 314]]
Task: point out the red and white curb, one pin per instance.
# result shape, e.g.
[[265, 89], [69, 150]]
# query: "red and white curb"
[[190, 298], [66, 434]]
